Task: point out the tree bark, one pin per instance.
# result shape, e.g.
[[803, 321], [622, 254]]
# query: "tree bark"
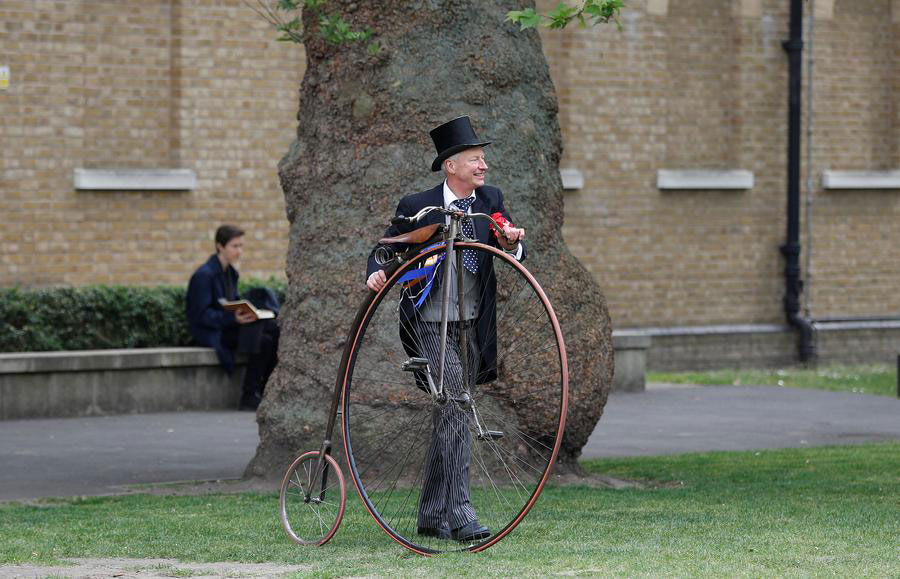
[[362, 143]]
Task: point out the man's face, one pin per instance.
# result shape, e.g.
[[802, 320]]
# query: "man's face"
[[231, 251], [468, 168]]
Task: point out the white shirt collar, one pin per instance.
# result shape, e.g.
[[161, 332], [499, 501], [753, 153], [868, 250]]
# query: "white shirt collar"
[[450, 196]]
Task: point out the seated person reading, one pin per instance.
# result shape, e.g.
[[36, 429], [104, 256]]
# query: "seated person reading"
[[230, 332]]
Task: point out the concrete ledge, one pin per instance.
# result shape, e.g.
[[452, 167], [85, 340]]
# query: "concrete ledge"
[[85, 360], [861, 179], [704, 179], [631, 361], [571, 179], [100, 382], [134, 179]]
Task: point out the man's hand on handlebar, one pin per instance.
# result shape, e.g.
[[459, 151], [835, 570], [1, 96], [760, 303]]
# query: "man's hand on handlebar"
[[376, 281], [513, 236]]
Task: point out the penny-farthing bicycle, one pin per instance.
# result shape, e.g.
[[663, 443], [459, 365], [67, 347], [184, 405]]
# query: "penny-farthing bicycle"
[[388, 391]]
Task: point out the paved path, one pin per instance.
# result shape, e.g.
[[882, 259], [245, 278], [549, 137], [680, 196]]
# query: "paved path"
[[673, 419], [99, 455], [93, 456]]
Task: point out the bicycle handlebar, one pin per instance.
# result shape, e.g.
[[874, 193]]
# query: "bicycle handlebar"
[[401, 219]]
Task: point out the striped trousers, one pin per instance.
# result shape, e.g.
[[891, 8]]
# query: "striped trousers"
[[445, 492]]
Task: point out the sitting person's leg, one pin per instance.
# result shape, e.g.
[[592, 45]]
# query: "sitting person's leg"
[[260, 343]]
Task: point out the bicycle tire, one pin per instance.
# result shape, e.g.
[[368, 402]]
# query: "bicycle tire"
[[385, 418], [311, 522]]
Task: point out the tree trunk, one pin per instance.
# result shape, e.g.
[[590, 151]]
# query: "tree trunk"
[[362, 143]]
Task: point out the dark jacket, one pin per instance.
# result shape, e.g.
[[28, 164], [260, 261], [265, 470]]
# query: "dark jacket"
[[488, 200], [205, 315]]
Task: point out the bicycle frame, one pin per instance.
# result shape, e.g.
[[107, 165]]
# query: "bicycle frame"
[[450, 379], [448, 235]]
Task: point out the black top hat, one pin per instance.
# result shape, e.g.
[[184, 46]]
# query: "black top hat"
[[452, 137]]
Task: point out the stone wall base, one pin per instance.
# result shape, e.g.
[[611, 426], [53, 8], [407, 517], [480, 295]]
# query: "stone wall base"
[[101, 382], [767, 346]]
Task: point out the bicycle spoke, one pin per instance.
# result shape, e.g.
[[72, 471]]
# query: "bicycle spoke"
[[530, 442]]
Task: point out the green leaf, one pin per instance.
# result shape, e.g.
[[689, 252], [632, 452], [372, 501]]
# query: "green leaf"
[[287, 5], [527, 18], [335, 30], [561, 15], [602, 11], [563, 11], [292, 25]]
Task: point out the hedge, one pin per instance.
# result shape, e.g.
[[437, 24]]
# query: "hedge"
[[99, 317]]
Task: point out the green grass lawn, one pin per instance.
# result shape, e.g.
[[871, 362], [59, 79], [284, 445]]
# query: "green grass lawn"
[[879, 379], [798, 512]]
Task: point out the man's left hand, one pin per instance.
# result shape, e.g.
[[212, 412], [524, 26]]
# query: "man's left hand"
[[513, 235]]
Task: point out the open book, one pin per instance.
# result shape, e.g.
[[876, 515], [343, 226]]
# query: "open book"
[[244, 305]]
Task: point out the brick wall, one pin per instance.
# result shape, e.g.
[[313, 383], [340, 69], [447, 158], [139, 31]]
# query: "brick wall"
[[686, 84], [193, 84], [702, 84], [856, 234]]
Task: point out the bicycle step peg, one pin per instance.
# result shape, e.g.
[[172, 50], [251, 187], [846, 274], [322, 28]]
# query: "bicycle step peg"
[[490, 435], [415, 365], [464, 401]]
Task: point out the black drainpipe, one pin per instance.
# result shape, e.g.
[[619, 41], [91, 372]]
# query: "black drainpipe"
[[806, 346]]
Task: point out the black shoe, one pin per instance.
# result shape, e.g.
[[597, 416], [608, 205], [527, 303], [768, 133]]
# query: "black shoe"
[[471, 531], [442, 533], [250, 402]]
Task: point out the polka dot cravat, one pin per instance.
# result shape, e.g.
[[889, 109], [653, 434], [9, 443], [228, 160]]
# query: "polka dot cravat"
[[468, 230]]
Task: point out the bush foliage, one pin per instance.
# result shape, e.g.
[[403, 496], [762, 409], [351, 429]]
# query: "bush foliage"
[[99, 317]]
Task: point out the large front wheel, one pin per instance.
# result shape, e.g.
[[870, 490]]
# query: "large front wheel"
[[424, 464]]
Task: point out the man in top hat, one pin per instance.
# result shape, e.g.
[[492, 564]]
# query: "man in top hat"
[[444, 507]]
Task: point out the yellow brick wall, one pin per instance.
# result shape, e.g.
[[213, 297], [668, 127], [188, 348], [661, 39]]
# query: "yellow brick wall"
[[140, 84], [702, 84], [686, 84], [856, 234]]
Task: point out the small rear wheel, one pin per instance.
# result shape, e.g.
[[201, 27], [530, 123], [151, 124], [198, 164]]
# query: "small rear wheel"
[[312, 506]]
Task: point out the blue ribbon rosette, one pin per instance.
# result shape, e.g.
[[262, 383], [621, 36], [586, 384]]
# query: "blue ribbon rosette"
[[428, 271]]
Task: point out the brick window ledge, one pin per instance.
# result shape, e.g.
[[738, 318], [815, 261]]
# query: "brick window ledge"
[[135, 179]]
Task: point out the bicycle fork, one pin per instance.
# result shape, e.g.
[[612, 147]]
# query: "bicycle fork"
[[445, 302], [464, 401], [321, 467]]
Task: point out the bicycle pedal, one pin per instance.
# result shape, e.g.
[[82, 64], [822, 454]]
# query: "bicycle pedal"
[[490, 435], [415, 365]]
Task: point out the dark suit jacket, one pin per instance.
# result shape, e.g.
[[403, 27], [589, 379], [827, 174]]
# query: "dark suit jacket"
[[206, 318], [488, 200]]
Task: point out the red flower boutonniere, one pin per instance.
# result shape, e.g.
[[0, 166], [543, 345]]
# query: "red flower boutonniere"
[[501, 221]]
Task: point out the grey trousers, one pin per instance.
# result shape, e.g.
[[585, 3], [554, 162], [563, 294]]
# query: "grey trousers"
[[444, 501]]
